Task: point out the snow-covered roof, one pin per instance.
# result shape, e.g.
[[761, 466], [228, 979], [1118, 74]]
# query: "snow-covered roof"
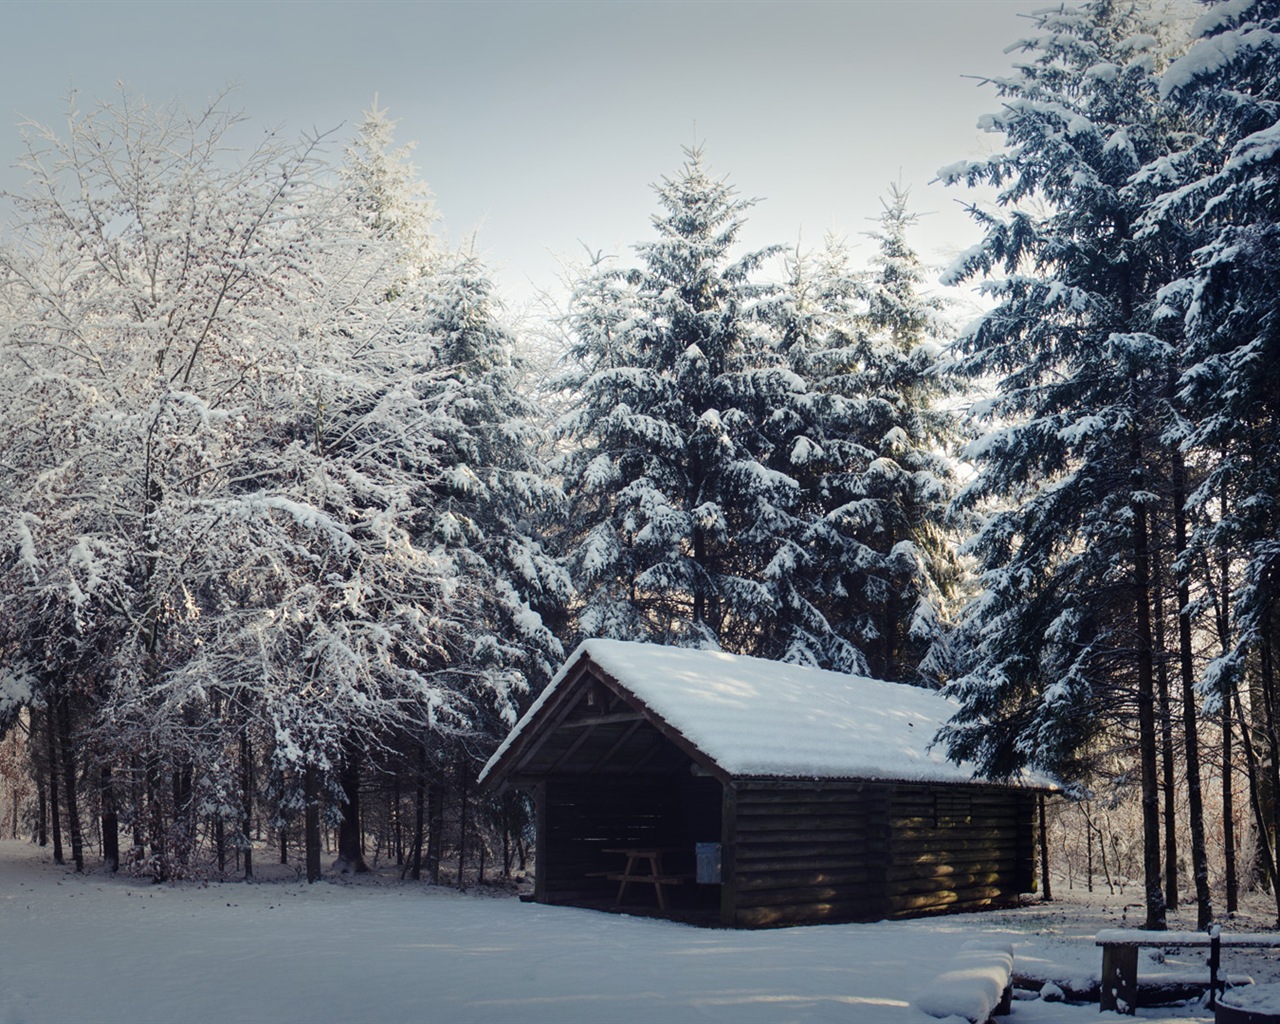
[[757, 718]]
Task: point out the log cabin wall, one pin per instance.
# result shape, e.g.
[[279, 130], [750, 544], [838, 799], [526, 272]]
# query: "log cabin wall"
[[826, 851], [805, 853], [959, 847]]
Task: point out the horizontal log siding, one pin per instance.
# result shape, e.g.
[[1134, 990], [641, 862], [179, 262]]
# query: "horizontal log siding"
[[840, 851], [956, 847], [809, 852]]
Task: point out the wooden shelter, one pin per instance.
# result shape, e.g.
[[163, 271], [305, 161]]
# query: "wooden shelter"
[[728, 789]]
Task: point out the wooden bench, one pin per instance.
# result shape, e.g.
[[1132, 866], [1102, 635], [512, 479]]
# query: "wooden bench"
[[1119, 990], [976, 985]]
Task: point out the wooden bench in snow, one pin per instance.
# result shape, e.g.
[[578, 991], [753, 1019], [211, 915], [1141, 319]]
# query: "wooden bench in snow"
[[1120, 958], [976, 984]]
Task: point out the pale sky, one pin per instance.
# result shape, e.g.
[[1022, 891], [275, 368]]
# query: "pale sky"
[[541, 125]]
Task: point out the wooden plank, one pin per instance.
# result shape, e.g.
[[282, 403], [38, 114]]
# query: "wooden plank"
[[728, 855], [590, 721], [947, 898], [540, 840], [803, 878], [826, 894], [618, 744], [946, 883], [754, 836], [809, 913]]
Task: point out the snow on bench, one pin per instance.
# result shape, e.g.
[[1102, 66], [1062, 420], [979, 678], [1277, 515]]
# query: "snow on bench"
[[976, 984], [1120, 958]]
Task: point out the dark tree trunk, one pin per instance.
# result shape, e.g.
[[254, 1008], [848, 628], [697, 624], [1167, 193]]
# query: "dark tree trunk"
[[1228, 809], [419, 818], [1256, 802], [110, 823], [462, 833], [42, 811], [312, 829], [393, 816], [506, 836], [435, 834], [246, 803], [1168, 780], [139, 805], [1190, 725], [62, 711], [350, 852], [155, 817], [1228, 728], [1154, 891], [182, 836], [51, 753]]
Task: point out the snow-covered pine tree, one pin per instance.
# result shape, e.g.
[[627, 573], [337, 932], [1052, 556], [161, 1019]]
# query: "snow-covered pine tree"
[[675, 517], [489, 498], [1226, 300], [390, 200], [1062, 637], [869, 450]]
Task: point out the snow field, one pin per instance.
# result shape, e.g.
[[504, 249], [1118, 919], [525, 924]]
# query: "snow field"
[[107, 950]]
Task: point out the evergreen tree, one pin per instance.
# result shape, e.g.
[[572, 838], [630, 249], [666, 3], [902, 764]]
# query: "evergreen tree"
[[1062, 636], [675, 514], [869, 451], [490, 498], [1226, 186]]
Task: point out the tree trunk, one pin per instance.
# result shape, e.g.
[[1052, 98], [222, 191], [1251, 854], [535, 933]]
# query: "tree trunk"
[[419, 818], [1228, 810], [393, 818], [1255, 801], [435, 834], [51, 752], [1166, 744], [246, 802], [62, 711], [1154, 891], [1190, 725], [350, 852], [42, 810], [462, 834], [312, 828], [110, 823]]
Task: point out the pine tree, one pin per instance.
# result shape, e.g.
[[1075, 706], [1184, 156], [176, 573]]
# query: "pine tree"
[[1062, 636], [1226, 187], [869, 450], [675, 516], [490, 498]]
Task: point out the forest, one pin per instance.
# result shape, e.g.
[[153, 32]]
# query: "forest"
[[296, 519]]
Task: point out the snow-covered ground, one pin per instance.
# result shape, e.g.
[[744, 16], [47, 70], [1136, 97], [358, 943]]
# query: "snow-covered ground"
[[99, 949]]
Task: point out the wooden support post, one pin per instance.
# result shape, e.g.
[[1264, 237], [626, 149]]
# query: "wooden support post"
[[1045, 890], [1119, 979], [1215, 964]]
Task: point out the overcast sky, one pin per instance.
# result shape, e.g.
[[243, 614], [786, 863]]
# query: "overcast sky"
[[541, 125]]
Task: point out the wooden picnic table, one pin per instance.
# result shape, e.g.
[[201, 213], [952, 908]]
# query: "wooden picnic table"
[[649, 857], [1119, 990]]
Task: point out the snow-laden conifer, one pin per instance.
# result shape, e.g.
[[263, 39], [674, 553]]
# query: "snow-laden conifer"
[[677, 517], [867, 440], [1062, 639]]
